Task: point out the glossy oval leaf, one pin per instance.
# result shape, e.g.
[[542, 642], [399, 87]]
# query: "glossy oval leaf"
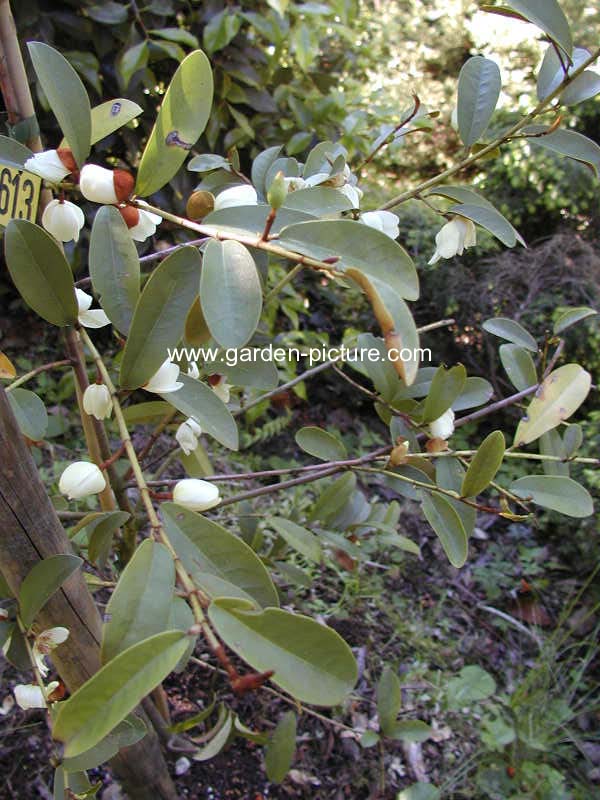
[[230, 293], [334, 497], [389, 700], [584, 87], [206, 547], [449, 474], [311, 661], [141, 603], [320, 443], [446, 387], [551, 444], [357, 245], [299, 538], [280, 749], [319, 201], [66, 95], [114, 267], [549, 17], [519, 366], [251, 220], [571, 316], [551, 73], [557, 397], [484, 465], [479, 85], [566, 143], [195, 399], [492, 220], [411, 730], [30, 413], [510, 330], [261, 165], [448, 526], [115, 690], [42, 581], [572, 439], [475, 392], [159, 318], [181, 120], [555, 492], [40, 272]]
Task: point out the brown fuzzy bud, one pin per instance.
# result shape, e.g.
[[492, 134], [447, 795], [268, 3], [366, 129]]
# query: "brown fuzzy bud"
[[123, 182], [66, 156], [200, 204], [130, 214]]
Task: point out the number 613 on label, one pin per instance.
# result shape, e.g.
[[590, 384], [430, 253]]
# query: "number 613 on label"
[[19, 194]]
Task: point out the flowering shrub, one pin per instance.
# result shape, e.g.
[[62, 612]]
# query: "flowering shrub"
[[191, 577]]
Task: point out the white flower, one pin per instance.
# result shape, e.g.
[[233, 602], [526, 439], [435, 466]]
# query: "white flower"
[[196, 495], [220, 387], [164, 379], [101, 185], [193, 371], [44, 643], [96, 318], [81, 479], [383, 221], [30, 695], [317, 179], [353, 193], [442, 427], [146, 225], [187, 435], [293, 184], [243, 195], [3, 614], [63, 220], [97, 401], [49, 165], [453, 238]]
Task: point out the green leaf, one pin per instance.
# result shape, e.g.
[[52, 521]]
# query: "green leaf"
[[447, 524], [128, 732], [87, 65], [411, 730], [40, 272], [334, 497], [100, 533], [159, 318], [219, 736], [470, 685], [195, 399], [319, 201], [133, 59], [230, 293], [311, 661], [75, 782], [420, 791], [181, 120], [108, 117], [66, 95], [558, 396], [519, 366], [142, 413], [181, 618], [509, 329], [389, 700], [446, 387], [256, 372], [566, 143], [206, 162], [279, 752], [449, 474], [42, 581], [220, 30], [179, 35], [299, 538], [250, 220], [114, 267], [571, 316], [359, 246], [30, 412], [572, 439], [115, 690], [479, 85], [476, 392], [491, 220], [107, 13], [141, 603], [261, 165], [556, 492], [207, 548], [551, 444], [13, 152], [584, 87], [484, 465], [320, 443], [548, 16]]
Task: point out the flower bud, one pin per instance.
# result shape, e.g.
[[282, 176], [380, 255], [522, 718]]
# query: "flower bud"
[[164, 379], [97, 401], [63, 220], [277, 191], [81, 479], [442, 427], [195, 494], [52, 165], [187, 435], [383, 221], [106, 186], [29, 695], [242, 195], [453, 238], [199, 204]]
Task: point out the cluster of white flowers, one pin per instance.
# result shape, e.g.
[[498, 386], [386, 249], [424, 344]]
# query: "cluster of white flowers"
[[64, 220]]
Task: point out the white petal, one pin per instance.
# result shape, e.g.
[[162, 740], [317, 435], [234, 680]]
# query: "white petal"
[[84, 300], [146, 226], [195, 494], [47, 165], [63, 220], [29, 695], [97, 401], [80, 479], [443, 427], [164, 379], [93, 319], [97, 184], [194, 426], [193, 371], [186, 438], [243, 195]]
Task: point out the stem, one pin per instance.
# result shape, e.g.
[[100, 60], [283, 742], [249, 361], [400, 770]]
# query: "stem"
[[541, 106], [168, 250], [287, 278], [65, 362]]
